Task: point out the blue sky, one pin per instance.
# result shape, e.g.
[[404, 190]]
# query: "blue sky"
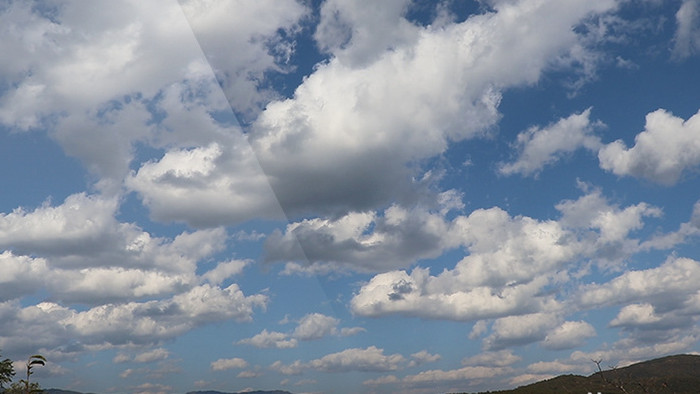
[[347, 196]]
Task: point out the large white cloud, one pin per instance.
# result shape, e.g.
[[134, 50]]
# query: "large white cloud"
[[87, 256], [149, 322], [206, 186], [510, 261], [518, 330], [667, 148], [93, 76], [242, 41], [339, 145], [364, 241], [687, 37], [667, 285]]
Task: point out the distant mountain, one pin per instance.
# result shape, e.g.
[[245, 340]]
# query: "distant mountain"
[[668, 375], [59, 391], [245, 392]]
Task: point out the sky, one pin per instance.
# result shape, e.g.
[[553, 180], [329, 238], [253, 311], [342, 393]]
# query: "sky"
[[347, 196]]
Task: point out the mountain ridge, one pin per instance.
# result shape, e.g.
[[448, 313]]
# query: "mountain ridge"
[[677, 374]]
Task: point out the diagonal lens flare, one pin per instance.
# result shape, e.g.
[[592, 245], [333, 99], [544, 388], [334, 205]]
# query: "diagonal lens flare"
[[240, 76]]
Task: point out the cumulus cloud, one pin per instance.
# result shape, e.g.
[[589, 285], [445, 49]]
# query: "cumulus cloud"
[[627, 351], [206, 186], [636, 314], [464, 374], [315, 326], [668, 285], [509, 260], [337, 120], [241, 46], [267, 339], [312, 326], [520, 330], [151, 356], [22, 275], [666, 149], [357, 32], [364, 241], [539, 147], [422, 357], [387, 379], [569, 334], [225, 270], [223, 364], [501, 358], [370, 359], [89, 257], [687, 37], [147, 322], [553, 367]]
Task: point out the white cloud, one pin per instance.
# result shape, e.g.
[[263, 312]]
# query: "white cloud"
[[242, 41], [553, 367], [358, 32], [520, 330], [636, 314], [206, 186], [151, 356], [267, 339], [387, 379], [22, 275], [464, 374], [312, 326], [528, 378], [294, 368], [666, 149], [80, 222], [685, 230], [422, 357], [248, 374], [371, 359], [501, 358], [225, 270], [93, 76], [568, 335], [669, 284], [315, 326], [147, 322], [539, 147], [687, 37], [610, 225], [509, 260], [96, 285], [448, 79], [364, 241], [628, 351], [223, 364]]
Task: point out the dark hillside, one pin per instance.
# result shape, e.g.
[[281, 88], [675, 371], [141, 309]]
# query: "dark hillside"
[[668, 375]]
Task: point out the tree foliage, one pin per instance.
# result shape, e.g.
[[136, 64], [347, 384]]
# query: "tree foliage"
[[21, 388], [7, 371]]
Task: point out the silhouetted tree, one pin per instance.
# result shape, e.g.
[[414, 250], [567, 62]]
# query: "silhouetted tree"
[[7, 371], [36, 359], [21, 388]]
